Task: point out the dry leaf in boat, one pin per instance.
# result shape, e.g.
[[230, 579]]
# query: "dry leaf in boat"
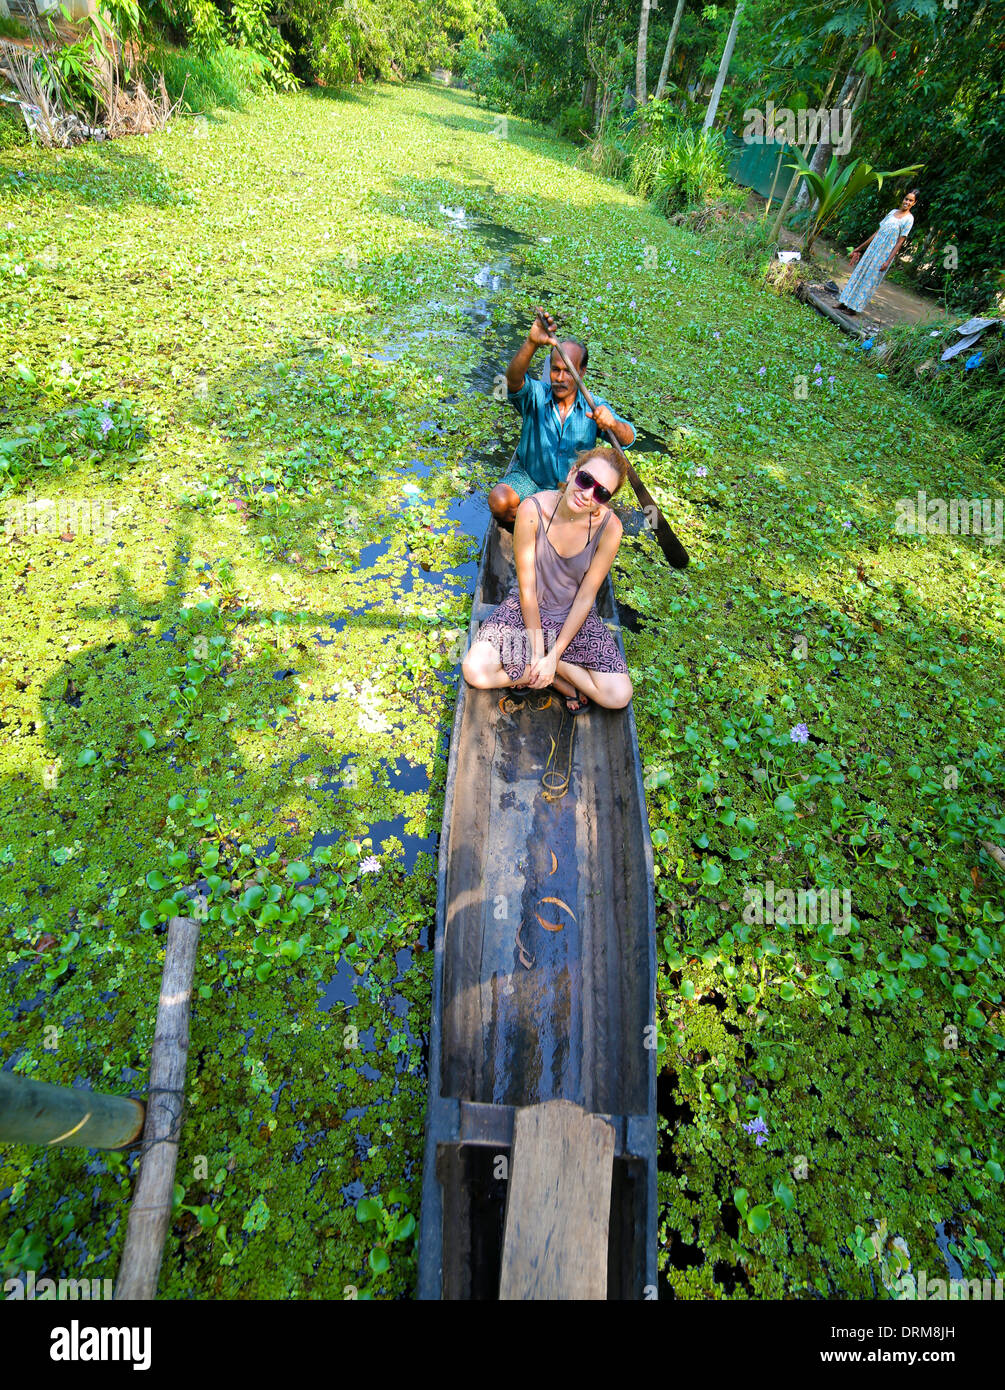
[[526, 959], [555, 926]]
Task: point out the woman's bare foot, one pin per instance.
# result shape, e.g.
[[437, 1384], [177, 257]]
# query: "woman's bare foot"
[[575, 701]]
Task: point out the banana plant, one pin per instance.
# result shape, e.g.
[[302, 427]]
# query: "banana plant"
[[835, 187]]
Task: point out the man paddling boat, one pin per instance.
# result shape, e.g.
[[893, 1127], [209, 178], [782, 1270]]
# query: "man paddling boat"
[[557, 422]]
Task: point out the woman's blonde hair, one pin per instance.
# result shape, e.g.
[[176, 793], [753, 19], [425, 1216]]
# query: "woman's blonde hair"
[[603, 451]]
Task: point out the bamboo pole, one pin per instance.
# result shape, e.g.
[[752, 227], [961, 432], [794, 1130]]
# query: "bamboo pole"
[[150, 1213], [661, 85], [33, 1112], [774, 182], [776, 229]]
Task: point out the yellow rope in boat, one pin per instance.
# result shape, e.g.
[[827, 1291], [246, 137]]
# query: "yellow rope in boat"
[[556, 788], [510, 706], [558, 785]]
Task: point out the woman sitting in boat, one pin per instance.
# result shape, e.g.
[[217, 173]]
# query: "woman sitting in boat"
[[547, 631]]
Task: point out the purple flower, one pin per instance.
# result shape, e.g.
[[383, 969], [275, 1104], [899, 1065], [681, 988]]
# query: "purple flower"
[[740, 410], [370, 865], [819, 381], [632, 305], [846, 525], [105, 423], [761, 371], [799, 733], [759, 1128], [832, 378], [701, 471], [716, 335], [818, 368]]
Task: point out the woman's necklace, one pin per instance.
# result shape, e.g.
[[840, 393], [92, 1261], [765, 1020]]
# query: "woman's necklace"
[[589, 532]]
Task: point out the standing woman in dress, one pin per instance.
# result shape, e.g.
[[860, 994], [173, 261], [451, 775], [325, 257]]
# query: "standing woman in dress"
[[880, 252]]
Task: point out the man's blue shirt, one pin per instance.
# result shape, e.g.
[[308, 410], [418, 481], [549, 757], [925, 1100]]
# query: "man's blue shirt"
[[549, 444]]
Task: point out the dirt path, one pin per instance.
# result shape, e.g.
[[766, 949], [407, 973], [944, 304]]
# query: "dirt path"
[[890, 304]]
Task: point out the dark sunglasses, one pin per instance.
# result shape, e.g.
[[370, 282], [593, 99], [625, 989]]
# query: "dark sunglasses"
[[586, 480]]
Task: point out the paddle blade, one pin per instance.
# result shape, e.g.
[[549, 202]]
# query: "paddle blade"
[[666, 539]]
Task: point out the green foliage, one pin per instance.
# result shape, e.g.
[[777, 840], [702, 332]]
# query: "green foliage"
[[387, 1229], [80, 435], [574, 122], [973, 398], [532, 65], [13, 131], [289, 379], [693, 171], [674, 164], [225, 77], [940, 102], [12, 28]]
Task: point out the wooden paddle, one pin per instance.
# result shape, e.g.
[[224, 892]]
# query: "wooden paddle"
[[666, 539]]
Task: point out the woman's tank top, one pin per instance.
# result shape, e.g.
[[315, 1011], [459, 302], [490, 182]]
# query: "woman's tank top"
[[559, 578]]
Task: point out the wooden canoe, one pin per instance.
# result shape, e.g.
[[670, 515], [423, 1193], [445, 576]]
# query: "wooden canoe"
[[576, 1024]]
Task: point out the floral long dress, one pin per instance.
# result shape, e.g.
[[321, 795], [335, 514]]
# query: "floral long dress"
[[868, 275]]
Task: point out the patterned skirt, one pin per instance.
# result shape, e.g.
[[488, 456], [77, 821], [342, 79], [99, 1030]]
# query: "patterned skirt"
[[593, 645]]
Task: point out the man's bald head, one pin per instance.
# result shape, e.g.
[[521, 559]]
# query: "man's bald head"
[[577, 353]]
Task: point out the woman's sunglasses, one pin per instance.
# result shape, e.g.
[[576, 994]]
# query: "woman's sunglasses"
[[586, 481]]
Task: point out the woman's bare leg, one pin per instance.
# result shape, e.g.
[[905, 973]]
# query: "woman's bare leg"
[[483, 669], [609, 689]]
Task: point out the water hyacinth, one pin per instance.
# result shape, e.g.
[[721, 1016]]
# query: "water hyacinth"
[[799, 733], [370, 865], [757, 1128], [105, 423], [761, 371]]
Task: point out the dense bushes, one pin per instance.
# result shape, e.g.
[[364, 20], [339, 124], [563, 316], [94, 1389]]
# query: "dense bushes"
[[970, 396], [13, 131], [224, 76], [673, 164], [332, 44], [941, 104]]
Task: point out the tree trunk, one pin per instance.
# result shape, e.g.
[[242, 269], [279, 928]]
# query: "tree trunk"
[[727, 55], [640, 54], [668, 51], [589, 92], [106, 85], [822, 153], [776, 229]]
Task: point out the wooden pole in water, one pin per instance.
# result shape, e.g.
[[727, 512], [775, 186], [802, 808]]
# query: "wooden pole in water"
[[33, 1112], [150, 1213]]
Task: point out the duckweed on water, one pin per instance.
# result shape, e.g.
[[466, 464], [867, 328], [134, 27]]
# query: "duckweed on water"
[[212, 696]]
